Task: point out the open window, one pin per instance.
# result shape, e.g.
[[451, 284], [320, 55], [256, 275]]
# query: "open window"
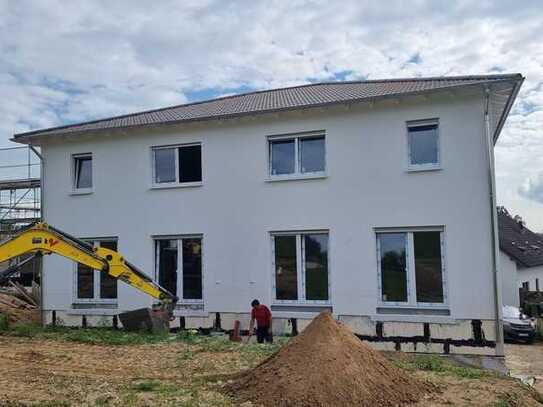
[[96, 286], [411, 267], [300, 267], [179, 266], [423, 144], [177, 165], [300, 155], [82, 172]]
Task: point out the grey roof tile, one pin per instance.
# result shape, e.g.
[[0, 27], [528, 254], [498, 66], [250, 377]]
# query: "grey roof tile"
[[297, 97], [519, 242]]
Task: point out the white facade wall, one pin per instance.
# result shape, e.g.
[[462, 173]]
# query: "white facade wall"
[[367, 186], [533, 275], [509, 273]]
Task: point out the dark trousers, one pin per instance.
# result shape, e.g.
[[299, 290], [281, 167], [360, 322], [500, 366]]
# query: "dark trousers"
[[263, 333]]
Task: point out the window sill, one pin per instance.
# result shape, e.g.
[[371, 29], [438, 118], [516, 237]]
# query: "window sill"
[[93, 305], [183, 185], [413, 310], [295, 177], [424, 168], [82, 192], [415, 319], [300, 307]]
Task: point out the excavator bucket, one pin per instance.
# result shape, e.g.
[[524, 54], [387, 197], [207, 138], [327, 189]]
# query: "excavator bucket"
[[146, 319]]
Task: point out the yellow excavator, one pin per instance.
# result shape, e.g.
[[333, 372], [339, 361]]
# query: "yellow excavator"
[[41, 239]]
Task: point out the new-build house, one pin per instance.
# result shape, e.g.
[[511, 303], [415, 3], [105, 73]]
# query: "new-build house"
[[374, 200], [521, 255]]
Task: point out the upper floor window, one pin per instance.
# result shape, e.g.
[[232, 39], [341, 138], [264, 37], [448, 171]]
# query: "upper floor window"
[[96, 285], [300, 262], [411, 267], [177, 164], [82, 172], [423, 144], [292, 155]]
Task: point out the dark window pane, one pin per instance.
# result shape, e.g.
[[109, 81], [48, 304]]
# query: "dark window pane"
[[428, 273], [316, 266], [85, 282], [393, 266], [167, 264], [164, 165], [192, 269], [108, 284], [312, 154], [423, 144], [282, 157], [190, 164], [83, 172], [286, 284]]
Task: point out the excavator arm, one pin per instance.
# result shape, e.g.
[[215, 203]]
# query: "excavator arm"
[[43, 239]]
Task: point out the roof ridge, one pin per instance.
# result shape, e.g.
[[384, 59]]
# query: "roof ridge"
[[492, 77]]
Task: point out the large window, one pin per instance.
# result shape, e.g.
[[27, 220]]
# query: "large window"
[[177, 164], [423, 144], [96, 285], [300, 264], [410, 267], [82, 172], [179, 266], [297, 155]]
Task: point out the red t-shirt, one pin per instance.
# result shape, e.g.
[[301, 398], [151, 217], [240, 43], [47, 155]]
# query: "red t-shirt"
[[262, 314]]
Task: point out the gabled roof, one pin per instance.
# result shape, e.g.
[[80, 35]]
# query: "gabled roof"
[[519, 242], [284, 99]]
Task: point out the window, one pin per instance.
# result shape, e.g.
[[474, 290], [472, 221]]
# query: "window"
[[537, 284], [526, 286], [300, 264], [177, 164], [96, 285], [297, 155], [179, 266], [410, 265], [82, 172], [423, 144]]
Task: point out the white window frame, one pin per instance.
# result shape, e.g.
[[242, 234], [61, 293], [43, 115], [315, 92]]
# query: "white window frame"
[[429, 166], [74, 160], [297, 174], [95, 242], [176, 183], [410, 272], [300, 267], [179, 285]]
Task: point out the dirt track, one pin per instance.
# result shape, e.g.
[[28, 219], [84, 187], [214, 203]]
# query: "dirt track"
[[526, 360]]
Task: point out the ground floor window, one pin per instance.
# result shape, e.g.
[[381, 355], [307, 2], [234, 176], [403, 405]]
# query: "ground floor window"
[[300, 264], [179, 266], [96, 285], [411, 267]]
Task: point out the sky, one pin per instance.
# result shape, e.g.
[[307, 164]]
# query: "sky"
[[68, 61]]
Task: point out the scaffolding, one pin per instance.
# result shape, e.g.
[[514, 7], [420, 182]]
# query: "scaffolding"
[[20, 198], [20, 189]]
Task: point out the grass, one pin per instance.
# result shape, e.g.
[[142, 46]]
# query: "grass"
[[437, 364]]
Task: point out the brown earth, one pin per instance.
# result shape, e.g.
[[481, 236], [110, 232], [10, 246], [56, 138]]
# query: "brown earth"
[[17, 310], [326, 365]]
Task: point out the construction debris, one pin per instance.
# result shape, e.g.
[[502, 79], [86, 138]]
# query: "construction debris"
[[19, 308], [326, 365]]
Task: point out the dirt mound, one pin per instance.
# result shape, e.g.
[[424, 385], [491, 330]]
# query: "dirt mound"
[[17, 310], [326, 365]]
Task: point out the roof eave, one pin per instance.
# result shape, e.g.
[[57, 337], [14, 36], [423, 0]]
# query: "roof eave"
[[508, 106]]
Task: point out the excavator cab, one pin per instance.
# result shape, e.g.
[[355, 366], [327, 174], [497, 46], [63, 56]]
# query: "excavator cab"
[[42, 239]]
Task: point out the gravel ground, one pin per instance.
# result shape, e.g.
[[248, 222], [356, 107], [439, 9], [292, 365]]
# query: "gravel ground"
[[526, 360]]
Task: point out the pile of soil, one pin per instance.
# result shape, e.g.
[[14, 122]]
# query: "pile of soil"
[[17, 310], [326, 365]]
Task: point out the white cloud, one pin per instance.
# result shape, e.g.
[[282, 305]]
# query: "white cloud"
[[65, 61]]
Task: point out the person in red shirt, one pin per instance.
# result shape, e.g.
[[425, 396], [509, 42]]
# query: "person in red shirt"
[[263, 317]]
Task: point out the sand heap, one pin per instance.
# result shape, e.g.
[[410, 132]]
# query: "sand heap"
[[326, 365]]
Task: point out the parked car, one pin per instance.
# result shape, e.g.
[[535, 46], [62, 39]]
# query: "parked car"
[[517, 326]]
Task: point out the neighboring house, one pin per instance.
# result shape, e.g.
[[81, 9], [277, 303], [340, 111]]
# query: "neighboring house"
[[521, 256], [371, 199]]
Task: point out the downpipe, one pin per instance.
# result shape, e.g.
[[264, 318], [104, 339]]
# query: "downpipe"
[[494, 229]]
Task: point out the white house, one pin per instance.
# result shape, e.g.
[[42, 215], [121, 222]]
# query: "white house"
[[521, 257], [372, 199]]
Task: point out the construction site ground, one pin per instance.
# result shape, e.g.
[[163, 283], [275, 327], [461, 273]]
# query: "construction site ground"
[[107, 368]]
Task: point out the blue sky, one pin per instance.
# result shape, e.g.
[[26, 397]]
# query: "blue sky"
[[63, 62]]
